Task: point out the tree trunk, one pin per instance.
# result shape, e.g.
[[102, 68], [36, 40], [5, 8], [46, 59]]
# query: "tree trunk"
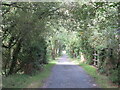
[[15, 56], [53, 54]]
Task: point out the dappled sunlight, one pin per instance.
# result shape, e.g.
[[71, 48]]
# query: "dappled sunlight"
[[64, 63], [36, 36]]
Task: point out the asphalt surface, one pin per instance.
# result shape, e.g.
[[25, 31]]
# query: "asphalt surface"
[[66, 74]]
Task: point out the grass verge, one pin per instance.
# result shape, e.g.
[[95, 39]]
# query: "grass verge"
[[26, 81], [102, 80]]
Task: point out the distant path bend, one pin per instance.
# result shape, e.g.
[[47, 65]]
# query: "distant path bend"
[[68, 75]]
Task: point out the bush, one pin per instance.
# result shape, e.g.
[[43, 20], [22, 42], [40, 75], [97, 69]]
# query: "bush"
[[101, 70], [114, 76]]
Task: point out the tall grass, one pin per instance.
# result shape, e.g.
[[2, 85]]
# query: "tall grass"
[[27, 81]]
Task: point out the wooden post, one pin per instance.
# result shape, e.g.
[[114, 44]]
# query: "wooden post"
[[98, 61]]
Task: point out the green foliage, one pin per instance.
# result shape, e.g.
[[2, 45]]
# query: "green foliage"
[[15, 81], [27, 81], [114, 77], [102, 80], [24, 36], [96, 27], [32, 32]]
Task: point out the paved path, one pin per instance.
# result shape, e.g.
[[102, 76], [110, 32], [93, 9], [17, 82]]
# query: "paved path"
[[68, 75]]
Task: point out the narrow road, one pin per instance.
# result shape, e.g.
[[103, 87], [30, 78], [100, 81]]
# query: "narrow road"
[[68, 75]]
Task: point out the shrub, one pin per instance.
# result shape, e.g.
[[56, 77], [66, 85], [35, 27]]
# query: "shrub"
[[114, 76]]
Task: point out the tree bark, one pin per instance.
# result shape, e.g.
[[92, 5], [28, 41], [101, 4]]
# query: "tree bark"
[[15, 56]]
